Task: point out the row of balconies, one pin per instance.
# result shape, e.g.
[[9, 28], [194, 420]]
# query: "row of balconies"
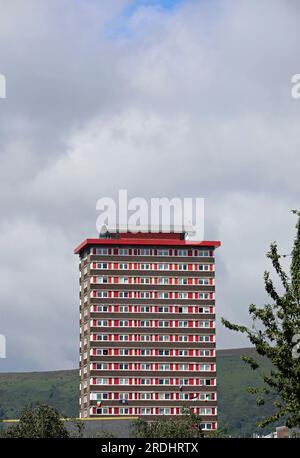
[[152, 294], [169, 396], [151, 366], [153, 381], [152, 338], [143, 353], [159, 410], [150, 309], [164, 252], [185, 324], [149, 280], [152, 266]]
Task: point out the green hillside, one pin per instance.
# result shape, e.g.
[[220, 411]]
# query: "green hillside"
[[238, 412], [58, 388]]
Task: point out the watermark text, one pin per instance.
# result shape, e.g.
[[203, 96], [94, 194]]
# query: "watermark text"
[[2, 87], [154, 215], [2, 346], [295, 91]]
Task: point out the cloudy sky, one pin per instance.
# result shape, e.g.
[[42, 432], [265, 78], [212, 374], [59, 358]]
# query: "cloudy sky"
[[162, 98]]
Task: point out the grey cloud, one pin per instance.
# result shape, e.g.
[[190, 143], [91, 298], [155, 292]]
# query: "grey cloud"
[[194, 102]]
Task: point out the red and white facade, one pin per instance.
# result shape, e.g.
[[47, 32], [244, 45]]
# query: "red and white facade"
[[147, 327]]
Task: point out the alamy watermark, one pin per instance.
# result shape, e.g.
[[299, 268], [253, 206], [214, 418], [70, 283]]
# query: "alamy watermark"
[[154, 215], [2, 346], [295, 91], [2, 87]]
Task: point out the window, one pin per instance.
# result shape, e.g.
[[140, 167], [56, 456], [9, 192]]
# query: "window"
[[204, 367], [102, 308], [100, 367], [102, 381], [205, 353], [182, 253], [145, 338], [144, 352], [183, 353], [203, 267], [162, 252], [103, 323], [145, 266], [145, 252], [123, 266], [145, 324], [183, 367], [124, 351], [145, 309], [124, 338], [102, 251], [102, 265], [124, 323], [204, 338], [163, 324], [123, 308], [183, 324], [102, 337], [163, 266], [163, 281], [163, 295], [203, 324], [183, 338], [164, 367]]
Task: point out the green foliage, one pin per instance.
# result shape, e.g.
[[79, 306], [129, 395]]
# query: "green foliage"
[[185, 426], [273, 331], [41, 421]]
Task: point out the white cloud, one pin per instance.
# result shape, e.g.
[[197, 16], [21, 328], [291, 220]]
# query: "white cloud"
[[38, 298]]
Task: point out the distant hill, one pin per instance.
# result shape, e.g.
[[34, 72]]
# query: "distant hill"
[[238, 412]]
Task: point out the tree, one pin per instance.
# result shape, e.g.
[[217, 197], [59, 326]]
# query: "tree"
[[41, 421], [275, 333], [186, 425]]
